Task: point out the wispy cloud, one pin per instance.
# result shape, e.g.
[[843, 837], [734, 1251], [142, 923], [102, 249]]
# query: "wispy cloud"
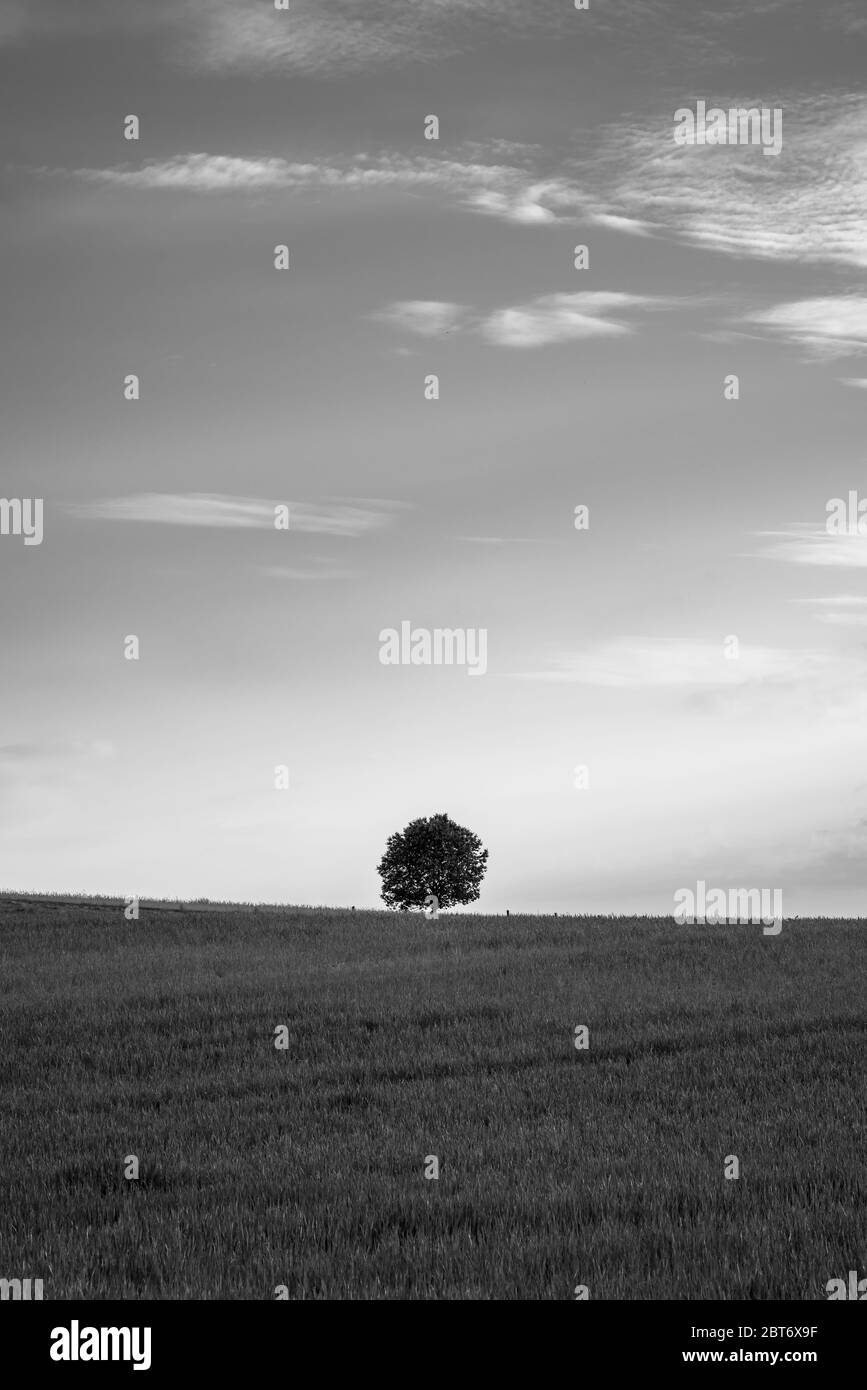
[[482, 183], [474, 178], [838, 600], [209, 173], [219, 510], [634, 180], [333, 36], [628, 663], [803, 543], [840, 610], [552, 318], [632, 225], [517, 200], [732, 199], [326, 38], [428, 317], [560, 318], [830, 326]]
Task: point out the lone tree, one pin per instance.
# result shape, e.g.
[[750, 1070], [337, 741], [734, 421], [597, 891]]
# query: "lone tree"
[[432, 856]]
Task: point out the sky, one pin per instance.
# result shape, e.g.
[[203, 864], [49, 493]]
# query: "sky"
[[700, 648]]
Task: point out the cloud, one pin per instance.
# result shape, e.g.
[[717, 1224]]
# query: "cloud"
[[633, 179], [803, 543], [220, 173], [809, 205], [844, 619], [207, 173], [559, 318], [860, 382], [628, 663], [326, 37], [329, 37], [838, 600], [840, 610], [508, 191], [338, 520], [632, 225], [552, 318], [219, 510], [428, 317], [531, 203], [830, 326]]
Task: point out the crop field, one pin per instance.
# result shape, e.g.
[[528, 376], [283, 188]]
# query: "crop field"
[[300, 1169]]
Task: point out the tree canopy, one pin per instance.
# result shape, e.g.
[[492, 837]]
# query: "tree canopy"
[[432, 856]]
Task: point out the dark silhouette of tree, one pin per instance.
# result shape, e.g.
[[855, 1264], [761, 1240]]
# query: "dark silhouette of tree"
[[432, 857]]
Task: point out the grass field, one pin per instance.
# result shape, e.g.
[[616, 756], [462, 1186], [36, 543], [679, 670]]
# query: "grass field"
[[407, 1037]]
